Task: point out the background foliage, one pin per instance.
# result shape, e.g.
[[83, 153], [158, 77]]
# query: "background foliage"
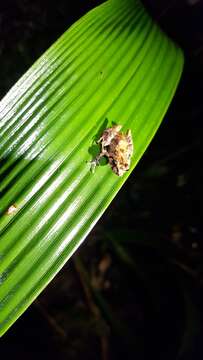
[[135, 286]]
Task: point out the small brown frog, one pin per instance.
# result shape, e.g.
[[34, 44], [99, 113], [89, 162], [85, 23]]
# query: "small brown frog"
[[117, 147]]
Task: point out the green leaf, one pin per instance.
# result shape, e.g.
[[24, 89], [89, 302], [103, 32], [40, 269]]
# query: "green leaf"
[[113, 65]]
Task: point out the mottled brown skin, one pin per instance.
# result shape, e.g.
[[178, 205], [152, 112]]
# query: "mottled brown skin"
[[117, 147]]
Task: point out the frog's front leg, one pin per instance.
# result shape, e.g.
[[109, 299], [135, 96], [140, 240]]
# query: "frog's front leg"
[[96, 160]]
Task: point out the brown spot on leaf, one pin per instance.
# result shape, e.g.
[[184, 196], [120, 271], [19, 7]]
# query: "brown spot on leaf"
[[11, 210]]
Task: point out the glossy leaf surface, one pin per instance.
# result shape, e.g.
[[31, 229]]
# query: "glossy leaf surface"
[[113, 65]]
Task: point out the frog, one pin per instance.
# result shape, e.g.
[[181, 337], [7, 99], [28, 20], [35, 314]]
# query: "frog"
[[117, 147]]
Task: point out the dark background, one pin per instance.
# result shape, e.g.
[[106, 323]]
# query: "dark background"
[[135, 287]]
